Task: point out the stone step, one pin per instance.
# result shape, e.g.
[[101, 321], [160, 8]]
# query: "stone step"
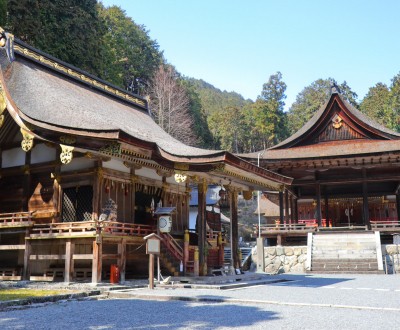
[[343, 242], [344, 253], [345, 267], [344, 236], [379, 272], [344, 247], [344, 260]]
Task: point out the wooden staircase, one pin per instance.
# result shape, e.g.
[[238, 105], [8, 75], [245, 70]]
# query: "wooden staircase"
[[357, 252], [171, 255]]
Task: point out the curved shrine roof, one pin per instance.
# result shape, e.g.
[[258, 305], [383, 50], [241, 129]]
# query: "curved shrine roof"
[[52, 96]]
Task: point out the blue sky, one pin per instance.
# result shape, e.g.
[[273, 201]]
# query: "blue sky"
[[236, 45]]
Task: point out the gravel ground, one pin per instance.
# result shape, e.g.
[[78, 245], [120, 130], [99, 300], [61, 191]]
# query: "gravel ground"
[[303, 302]]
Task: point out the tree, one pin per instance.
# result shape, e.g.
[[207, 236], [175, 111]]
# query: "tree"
[[376, 105], [229, 127], [3, 13], [200, 127], [67, 29], [266, 116], [131, 56], [311, 98], [169, 104], [382, 103]]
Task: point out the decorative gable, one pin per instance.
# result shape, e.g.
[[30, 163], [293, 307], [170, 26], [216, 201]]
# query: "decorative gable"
[[337, 129]]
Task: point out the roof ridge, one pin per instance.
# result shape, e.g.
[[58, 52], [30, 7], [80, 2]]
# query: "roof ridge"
[[75, 73]]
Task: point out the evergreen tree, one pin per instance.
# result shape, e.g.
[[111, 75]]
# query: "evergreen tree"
[[131, 56], [67, 29], [311, 98]]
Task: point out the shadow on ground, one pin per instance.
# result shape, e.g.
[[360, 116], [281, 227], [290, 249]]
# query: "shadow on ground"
[[309, 280], [135, 314]]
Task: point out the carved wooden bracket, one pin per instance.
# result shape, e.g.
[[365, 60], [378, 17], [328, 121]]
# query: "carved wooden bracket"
[[66, 154], [27, 140]]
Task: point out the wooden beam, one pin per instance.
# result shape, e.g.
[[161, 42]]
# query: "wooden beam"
[[69, 268], [318, 210], [13, 247], [233, 198], [26, 272], [122, 259], [47, 257], [286, 206], [97, 263], [201, 226], [281, 216]]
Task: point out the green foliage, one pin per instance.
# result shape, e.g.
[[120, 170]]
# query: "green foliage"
[[197, 112], [131, 56], [216, 105], [69, 30], [383, 104], [3, 13], [310, 100], [265, 118]]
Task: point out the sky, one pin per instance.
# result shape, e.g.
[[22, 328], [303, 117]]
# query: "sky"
[[237, 45]]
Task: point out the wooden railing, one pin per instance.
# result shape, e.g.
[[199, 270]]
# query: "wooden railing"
[[85, 228], [64, 229], [16, 219], [387, 224], [172, 246], [300, 227], [130, 229]]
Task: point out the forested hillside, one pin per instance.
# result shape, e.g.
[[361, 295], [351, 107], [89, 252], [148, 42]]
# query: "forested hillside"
[[106, 42]]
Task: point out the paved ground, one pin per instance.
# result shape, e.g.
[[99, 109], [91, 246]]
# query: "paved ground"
[[302, 302]]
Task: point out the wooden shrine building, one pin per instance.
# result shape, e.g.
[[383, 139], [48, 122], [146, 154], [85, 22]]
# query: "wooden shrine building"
[[346, 174], [83, 168]]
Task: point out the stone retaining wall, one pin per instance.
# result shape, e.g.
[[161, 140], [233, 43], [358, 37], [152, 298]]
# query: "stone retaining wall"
[[284, 259], [391, 254]]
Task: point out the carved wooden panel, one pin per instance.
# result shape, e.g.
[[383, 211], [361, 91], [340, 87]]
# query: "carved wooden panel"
[[343, 132]]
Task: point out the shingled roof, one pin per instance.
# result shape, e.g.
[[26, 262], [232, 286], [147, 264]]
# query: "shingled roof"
[[51, 99], [364, 136]]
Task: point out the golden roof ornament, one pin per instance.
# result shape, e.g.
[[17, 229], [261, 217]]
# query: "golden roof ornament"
[[337, 122]]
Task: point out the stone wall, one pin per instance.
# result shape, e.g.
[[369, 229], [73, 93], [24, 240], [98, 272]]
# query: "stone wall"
[[284, 259], [391, 255]]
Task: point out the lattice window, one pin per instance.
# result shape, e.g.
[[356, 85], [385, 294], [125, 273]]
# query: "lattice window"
[[77, 204]]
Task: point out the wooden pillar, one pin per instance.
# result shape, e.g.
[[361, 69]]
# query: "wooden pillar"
[[365, 211], [26, 182], [97, 263], [233, 198], [97, 185], [132, 193], [196, 266], [292, 207], [28, 247], [151, 271], [287, 217], [279, 240], [221, 251], [326, 208], [122, 259], [69, 261], [281, 206], [318, 207], [201, 226], [296, 211], [186, 238], [398, 205]]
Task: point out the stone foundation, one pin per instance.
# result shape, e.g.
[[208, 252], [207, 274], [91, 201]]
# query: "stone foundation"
[[284, 259], [391, 254]]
